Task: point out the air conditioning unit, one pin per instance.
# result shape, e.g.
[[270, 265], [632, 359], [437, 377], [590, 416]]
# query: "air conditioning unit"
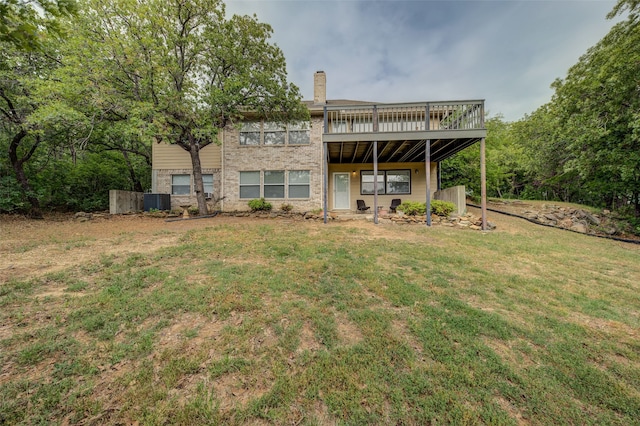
[[208, 195]]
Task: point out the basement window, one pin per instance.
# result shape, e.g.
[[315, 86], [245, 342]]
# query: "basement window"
[[299, 184], [274, 184], [250, 185], [180, 184]]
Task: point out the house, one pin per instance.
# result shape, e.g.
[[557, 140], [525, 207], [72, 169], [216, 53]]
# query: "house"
[[330, 162]]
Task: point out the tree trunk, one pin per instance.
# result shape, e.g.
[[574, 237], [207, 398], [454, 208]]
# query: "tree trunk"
[[18, 168], [135, 181], [194, 150]]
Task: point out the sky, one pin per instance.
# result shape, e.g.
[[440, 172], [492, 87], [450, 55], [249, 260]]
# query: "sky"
[[506, 52]]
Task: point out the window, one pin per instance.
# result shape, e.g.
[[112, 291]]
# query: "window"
[[299, 184], [207, 181], [299, 134], [366, 182], [180, 184], [250, 185], [250, 134], [274, 134], [398, 181], [389, 182], [274, 184]]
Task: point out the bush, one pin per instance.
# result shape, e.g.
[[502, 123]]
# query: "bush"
[[442, 208], [259, 204], [412, 208], [438, 207], [286, 207]]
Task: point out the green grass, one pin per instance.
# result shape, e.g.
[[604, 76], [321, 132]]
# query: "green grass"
[[264, 322]]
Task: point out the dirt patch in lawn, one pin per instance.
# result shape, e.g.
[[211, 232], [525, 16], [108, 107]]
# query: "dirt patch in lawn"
[[38, 247]]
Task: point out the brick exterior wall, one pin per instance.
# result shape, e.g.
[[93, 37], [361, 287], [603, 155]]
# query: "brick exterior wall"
[[163, 186], [237, 158]]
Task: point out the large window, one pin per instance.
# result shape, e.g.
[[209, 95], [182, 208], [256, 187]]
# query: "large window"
[[398, 181], [269, 133], [274, 184], [299, 134], [250, 134], [274, 134], [250, 185], [299, 184], [366, 182], [180, 184], [389, 182]]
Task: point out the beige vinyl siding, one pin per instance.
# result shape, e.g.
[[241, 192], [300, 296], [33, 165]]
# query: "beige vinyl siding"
[[167, 156], [418, 182]]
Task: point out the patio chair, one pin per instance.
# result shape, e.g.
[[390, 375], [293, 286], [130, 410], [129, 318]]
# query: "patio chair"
[[394, 204], [362, 207]]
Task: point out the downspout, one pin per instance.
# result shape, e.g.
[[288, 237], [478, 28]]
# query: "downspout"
[[222, 171]]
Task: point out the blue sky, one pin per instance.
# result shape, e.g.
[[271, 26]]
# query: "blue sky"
[[507, 52]]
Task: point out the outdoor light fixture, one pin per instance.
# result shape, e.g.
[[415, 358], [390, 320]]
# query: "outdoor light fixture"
[[416, 171]]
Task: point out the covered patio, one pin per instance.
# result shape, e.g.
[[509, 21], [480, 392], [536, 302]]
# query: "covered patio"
[[393, 140]]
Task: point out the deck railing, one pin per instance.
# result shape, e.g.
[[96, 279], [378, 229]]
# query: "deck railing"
[[407, 117]]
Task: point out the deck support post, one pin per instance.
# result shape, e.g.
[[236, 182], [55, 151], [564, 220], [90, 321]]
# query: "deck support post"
[[325, 184], [325, 166], [483, 183], [375, 182], [375, 166], [427, 167]]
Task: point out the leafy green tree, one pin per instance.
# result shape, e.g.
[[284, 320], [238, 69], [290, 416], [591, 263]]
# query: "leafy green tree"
[[545, 152], [23, 23], [598, 109], [504, 166], [22, 132], [177, 71]]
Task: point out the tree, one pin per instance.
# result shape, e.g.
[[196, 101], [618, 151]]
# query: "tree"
[[178, 71], [505, 172], [22, 23], [598, 108], [22, 131]]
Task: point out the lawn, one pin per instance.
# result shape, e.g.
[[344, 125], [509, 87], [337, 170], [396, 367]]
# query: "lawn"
[[285, 322]]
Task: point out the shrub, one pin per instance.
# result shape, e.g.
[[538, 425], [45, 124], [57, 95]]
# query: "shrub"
[[259, 204], [286, 207], [412, 208], [438, 207], [442, 208], [193, 211]]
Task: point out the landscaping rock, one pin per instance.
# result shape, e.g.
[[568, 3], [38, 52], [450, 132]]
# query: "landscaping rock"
[[579, 227]]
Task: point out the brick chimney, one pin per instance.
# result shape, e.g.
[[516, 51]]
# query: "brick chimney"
[[319, 88]]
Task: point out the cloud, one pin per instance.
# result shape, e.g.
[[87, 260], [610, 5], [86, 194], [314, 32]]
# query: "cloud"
[[507, 52]]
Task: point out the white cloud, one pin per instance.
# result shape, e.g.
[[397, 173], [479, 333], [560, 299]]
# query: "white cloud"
[[507, 52]]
